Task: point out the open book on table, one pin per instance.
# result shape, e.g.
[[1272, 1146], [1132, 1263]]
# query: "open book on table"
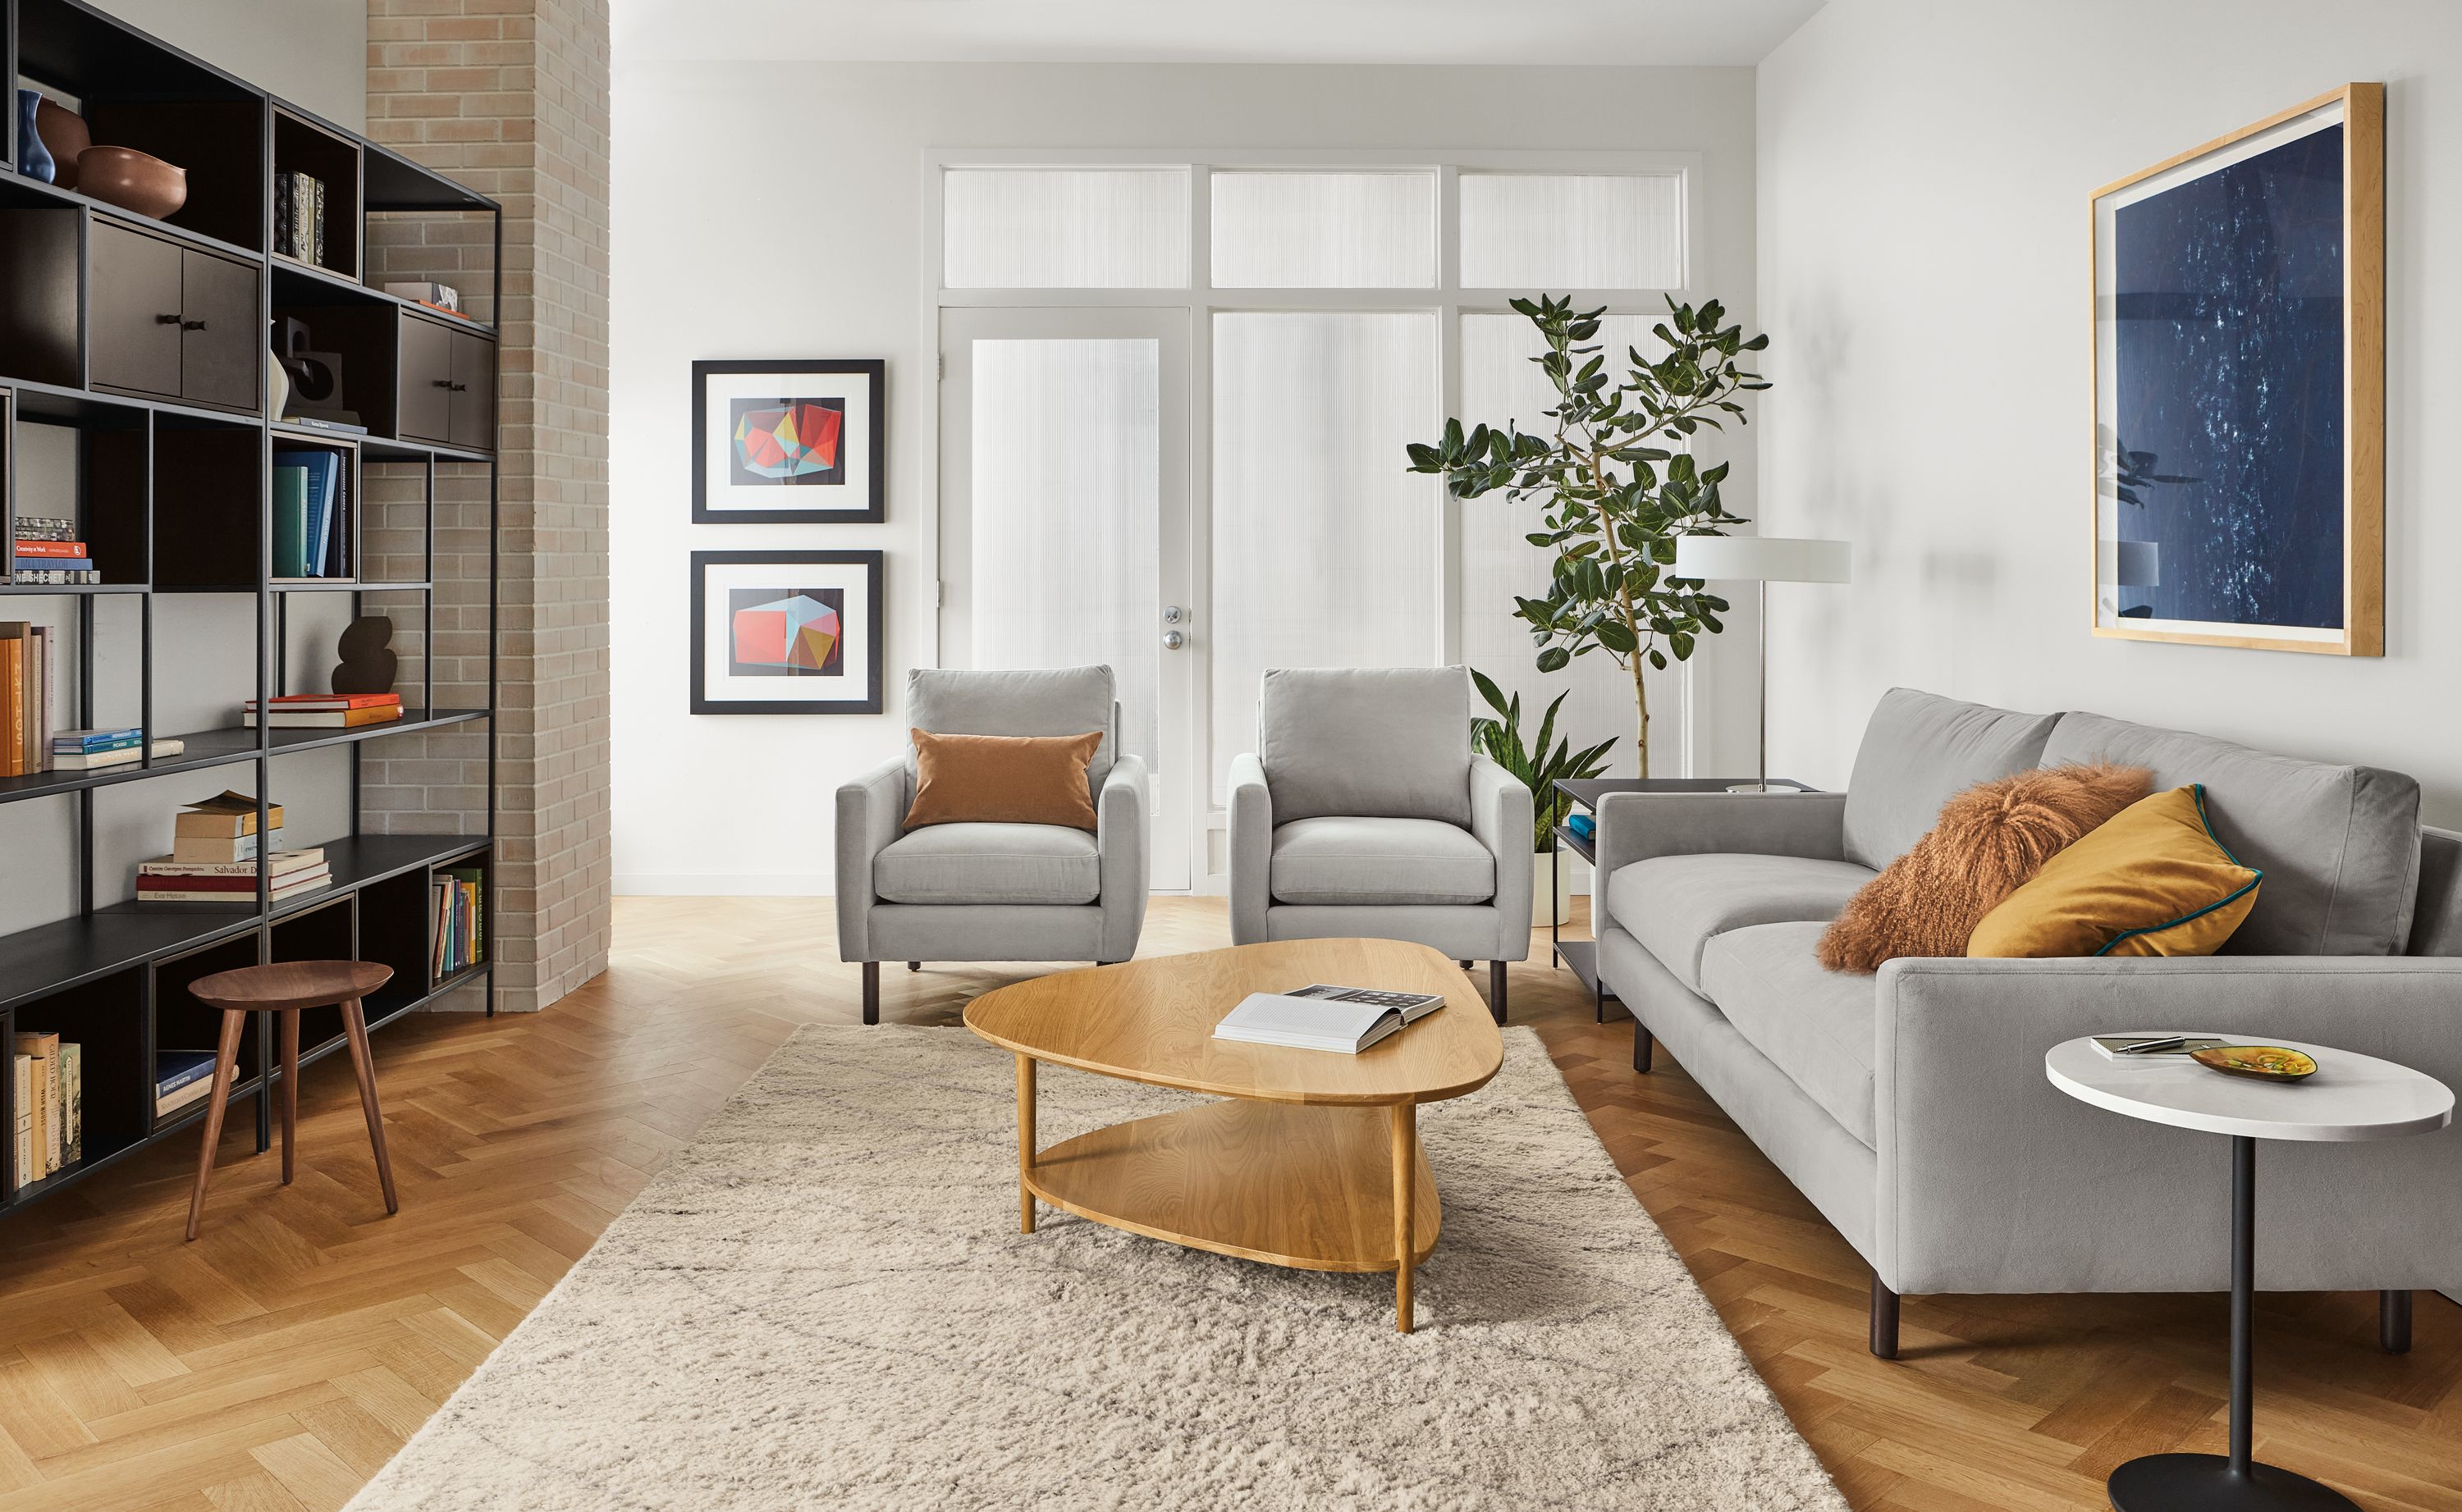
[[1347, 1019]]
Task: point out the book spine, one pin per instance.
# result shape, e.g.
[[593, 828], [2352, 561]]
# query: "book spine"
[[167, 1085], [52, 578], [72, 1104], [36, 546], [46, 527], [13, 706]]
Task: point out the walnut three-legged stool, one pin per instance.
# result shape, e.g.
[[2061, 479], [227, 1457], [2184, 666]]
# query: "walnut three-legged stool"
[[285, 988]]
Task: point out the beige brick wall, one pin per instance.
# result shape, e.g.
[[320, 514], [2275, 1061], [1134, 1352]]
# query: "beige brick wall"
[[509, 97]]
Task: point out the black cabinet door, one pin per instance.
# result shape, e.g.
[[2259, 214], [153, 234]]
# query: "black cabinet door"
[[426, 386], [133, 329], [473, 420], [221, 335]]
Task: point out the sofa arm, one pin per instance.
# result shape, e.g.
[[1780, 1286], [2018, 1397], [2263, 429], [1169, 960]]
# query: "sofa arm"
[[1501, 819], [1250, 841], [1991, 1179], [872, 811], [1120, 836], [1635, 826]]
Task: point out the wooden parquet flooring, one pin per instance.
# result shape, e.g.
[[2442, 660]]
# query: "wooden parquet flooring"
[[278, 1362]]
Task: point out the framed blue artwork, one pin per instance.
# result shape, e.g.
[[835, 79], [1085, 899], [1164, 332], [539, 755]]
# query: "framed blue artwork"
[[2240, 388]]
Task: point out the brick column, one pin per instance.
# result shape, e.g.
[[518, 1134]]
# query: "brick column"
[[509, 97]]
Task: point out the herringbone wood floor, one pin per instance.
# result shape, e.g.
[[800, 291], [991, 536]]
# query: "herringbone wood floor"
[[278, 1362]]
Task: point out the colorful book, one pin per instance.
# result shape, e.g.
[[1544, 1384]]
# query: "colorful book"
[[52, 578], [180, 1078], [72, 1104], [54, 563], [28, 546], [330, 701], [44, 1139], [182, 893], [321, 510], [21, 1144], [285, 865], [324, 719], [226, 813], [114, 755], [13, 641], [289, 521], [95, 740], [45, 527]]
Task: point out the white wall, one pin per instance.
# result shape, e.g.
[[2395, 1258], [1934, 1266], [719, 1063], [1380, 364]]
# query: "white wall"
[[775, 211], [313, 53], [1923, 178]]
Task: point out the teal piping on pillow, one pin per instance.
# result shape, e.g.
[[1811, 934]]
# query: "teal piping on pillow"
[[2197, 792]]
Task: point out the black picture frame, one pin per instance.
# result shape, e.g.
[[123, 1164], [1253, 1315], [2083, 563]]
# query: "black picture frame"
[[874, 439], [874, 565]]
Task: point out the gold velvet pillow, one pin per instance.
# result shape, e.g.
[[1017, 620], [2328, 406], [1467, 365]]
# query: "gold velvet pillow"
[[1987, 842], [1003, 780], [2153, 881]]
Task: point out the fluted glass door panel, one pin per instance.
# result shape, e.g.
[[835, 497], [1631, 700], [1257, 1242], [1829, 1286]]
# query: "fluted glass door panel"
[[1312, 230], [1327, 551], [1558, 231], [1065, 227]]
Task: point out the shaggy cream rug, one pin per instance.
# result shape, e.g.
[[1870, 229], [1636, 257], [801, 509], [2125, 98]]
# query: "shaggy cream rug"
[[825, 1303]]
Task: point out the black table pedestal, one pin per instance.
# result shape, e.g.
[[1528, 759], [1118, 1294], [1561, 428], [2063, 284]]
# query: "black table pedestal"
[[2233, 1483]]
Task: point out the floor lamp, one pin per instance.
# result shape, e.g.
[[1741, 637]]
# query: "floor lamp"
[[1763, 560]]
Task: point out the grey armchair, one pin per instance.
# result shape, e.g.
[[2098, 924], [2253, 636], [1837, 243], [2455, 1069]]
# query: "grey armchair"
[[1364, 812], [993, 892]]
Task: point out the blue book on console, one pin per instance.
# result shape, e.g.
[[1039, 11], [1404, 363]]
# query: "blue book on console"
[[324, 480]]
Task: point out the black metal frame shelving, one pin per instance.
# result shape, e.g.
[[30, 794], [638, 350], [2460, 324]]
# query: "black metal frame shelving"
[[113, 974]]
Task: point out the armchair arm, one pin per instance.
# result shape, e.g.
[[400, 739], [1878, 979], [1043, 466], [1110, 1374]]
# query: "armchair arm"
[[1636, 826], [1120, 837], [1251, 845], [1501, 819], [870, 810], [1991, 1179]]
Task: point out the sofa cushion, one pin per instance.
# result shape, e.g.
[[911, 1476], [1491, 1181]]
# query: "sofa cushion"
[[1032, 864], [1814, 1025], [1388, 742], [1062, 701], [1342, 860], [1675, 905], [1918, 750], [2339, 844]]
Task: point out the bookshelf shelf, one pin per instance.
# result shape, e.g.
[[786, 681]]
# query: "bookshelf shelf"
[[171, 483]]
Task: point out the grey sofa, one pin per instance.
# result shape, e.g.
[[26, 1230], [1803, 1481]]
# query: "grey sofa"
[[1362, 812], [1911, 1108], [993, 892]]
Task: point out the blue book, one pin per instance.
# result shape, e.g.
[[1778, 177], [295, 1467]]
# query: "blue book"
[[174, 1069], [89, 739], [1581, 824], [324, 476], [54, 564]]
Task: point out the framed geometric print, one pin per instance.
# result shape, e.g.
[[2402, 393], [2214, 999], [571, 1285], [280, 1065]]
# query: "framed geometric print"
[[2240, 388], [788, 442], [786, 632]]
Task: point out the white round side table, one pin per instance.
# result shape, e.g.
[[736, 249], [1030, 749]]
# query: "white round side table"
[[2351, 1097]]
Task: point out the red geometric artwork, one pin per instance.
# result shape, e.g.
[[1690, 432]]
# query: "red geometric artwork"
[[792, 632], [789, 441]]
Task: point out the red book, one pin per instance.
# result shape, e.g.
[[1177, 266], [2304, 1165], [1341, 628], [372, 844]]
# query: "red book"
[[333, 701], [51, 549]]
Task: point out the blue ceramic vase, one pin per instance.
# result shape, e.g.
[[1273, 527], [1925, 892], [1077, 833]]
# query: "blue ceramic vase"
[[34, 158]]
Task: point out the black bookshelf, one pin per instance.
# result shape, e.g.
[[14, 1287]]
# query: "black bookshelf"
[[174, 494]]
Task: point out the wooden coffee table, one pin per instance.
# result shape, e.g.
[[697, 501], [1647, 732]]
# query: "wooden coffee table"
[[1314, 1161]]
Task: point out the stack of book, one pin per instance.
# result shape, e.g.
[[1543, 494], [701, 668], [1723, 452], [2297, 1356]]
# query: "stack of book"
[[299, 216], [88, 750], [46, 550], [180, 1078], [443, 298], [50, 1099], [311, 502], [327, 710], [167, 879], [457, 945], [24, 697]]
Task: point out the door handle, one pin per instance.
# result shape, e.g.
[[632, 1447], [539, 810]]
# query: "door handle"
[[1172, 640], [192, 325], [166, 320], [450, 384]]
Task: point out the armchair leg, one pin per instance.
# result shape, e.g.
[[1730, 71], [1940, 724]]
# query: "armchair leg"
[[1465, 966], [1884, 1320], [2393, 1321], [1496, 989], [1641, 1044], [914, 966], [871, 991]]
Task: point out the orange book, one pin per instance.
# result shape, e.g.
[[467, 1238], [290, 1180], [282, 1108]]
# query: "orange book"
[[13, 699]]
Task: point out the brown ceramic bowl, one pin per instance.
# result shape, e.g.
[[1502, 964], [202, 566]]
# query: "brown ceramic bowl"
[[64, 136], [132, 180]]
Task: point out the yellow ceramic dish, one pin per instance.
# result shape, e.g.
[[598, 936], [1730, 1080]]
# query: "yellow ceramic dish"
[[2266, 1062]]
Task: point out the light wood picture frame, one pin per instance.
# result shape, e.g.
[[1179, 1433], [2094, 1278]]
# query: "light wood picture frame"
[[2238, 388]]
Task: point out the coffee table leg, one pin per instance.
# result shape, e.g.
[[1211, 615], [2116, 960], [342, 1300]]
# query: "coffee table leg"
[[1406, 1149], [1024, 1143]]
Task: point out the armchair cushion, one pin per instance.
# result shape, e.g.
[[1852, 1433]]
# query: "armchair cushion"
[[1344, 859], [1676, 904], [1066, 701], [1817, 1026], [1920, 749], [990, 864], [1003, 780], [1384, 742]]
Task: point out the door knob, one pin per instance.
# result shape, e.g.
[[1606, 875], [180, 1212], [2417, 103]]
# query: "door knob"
[[1172, 640]]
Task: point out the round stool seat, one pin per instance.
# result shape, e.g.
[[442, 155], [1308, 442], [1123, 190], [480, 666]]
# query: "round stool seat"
[[292, 983]]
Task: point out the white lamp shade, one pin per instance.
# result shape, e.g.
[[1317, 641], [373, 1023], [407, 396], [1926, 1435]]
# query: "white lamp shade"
[[1759, 559]]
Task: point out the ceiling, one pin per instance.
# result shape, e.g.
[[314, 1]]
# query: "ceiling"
[[1619, 32]]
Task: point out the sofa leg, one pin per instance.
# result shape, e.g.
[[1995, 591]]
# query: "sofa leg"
[[1496, 989], [1640, 1048], [2393, 1321], [871, 991], [1465, 966], [914, 966], [1884, 1320]]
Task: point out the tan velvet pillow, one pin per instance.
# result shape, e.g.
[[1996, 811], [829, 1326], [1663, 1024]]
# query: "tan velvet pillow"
[[1987, 841], [1002, 779]]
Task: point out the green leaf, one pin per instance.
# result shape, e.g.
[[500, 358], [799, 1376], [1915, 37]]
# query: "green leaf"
[[1553, 660]]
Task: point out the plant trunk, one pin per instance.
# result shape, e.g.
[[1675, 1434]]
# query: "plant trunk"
[[1641, 711]]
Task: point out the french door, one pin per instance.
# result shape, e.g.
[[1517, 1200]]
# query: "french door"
[[1064, 535]]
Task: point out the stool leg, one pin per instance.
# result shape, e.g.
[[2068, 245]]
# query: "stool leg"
[[225, 1062], [354, 1025], [289, 1086]]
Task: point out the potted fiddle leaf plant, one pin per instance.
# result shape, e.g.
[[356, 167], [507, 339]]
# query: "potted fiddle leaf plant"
[[1538, 767]]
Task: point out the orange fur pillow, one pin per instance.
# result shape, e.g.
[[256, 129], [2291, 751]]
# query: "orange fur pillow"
[[1987, 841]]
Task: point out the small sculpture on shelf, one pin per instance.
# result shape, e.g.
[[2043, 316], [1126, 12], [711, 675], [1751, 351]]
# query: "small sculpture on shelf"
[[64, 136], [368, 662], [133, 181], [33, 161]]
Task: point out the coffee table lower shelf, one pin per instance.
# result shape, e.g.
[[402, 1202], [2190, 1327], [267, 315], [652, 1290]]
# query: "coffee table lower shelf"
[[1310, 1187]]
